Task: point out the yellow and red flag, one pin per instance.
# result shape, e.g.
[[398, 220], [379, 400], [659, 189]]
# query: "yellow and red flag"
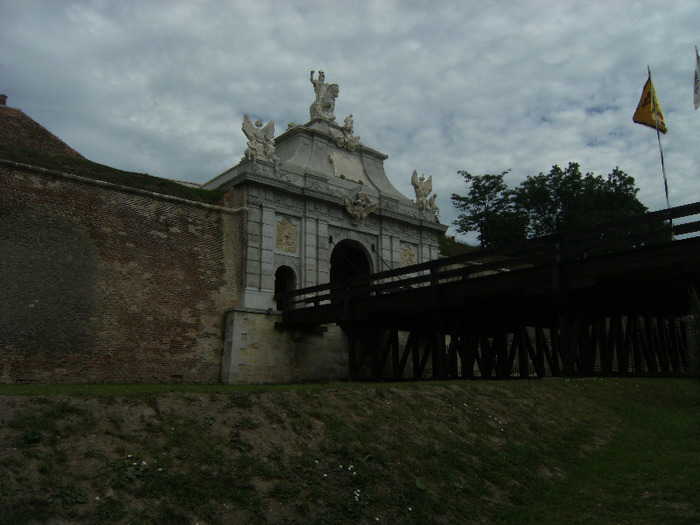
[[649, 111]]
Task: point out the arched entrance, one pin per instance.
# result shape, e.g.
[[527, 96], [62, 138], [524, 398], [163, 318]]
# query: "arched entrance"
[[285, 281], [349, 259]]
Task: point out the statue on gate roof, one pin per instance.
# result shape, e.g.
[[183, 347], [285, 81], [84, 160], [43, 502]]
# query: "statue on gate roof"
[[344, 136], [261, 144], [324, 105], [423, 188]]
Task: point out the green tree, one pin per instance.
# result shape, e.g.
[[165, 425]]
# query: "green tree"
[[489, 209], [544, 204], [565, 199]]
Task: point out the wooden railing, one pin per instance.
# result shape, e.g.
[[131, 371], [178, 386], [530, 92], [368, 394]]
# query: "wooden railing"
[[614, 237]]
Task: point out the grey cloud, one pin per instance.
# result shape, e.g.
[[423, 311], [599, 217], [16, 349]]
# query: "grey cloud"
[[161, 87]]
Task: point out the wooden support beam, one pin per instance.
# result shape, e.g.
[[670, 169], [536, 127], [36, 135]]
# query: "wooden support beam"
[[567, 343], [548, 350], [439, 350], [680, 337], [396, 370], [536, 359], [633, 333], [453, 353], [363, 340], [427, 349], [523, 362], [470, 355], [683, 343], [398, 374], [487, 361], [586, 347], [544, 354], [620, 342], [629, 346], [384, 343], [352, 354], [646, 342], [501, 355], [605, 345], [663, 344], [415, 357], [674, 356]]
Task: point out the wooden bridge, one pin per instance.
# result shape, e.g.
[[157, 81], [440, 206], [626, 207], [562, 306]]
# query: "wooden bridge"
[[612, 300]]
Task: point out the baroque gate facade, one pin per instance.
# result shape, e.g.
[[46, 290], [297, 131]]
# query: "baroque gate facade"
[[320, 209]]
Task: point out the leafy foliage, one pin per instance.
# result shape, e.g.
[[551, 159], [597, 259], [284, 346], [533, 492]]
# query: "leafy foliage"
[[565, 199], [489, 209], [544, 204]]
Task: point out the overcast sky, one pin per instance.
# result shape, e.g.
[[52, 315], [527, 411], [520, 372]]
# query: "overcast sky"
[[482, 86]]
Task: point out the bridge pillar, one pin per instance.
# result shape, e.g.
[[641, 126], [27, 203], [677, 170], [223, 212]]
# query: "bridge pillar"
[[439, 351], [567, 342]]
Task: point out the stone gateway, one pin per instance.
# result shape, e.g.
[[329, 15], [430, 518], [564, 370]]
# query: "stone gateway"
[[187, 280]]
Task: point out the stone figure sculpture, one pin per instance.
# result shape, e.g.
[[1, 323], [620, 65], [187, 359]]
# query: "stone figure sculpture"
[[349, 124], [359, 207], [261, 144], [343, 136], [433, 205], [423, 188], [324, 105]]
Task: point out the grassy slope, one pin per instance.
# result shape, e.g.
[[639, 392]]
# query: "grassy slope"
[[450, 246], [540, 451]]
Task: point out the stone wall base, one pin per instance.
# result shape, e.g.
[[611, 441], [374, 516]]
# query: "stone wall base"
[[256, 351]]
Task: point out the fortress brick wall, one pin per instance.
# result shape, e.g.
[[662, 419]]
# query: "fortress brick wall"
[[104, 283]]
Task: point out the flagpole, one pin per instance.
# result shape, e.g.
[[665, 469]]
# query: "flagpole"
[[661, 150], [696, 83]]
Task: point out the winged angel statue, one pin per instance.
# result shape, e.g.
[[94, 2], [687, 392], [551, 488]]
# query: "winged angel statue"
[[423, 188], [261, 144]]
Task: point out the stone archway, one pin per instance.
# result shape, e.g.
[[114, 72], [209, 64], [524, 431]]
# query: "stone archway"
[[349, 259]]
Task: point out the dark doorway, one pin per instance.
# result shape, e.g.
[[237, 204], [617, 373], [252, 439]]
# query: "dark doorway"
[[349, 259], [285, 281]]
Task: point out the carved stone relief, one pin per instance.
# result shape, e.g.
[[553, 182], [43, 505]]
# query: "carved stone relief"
[[358, 207], [408, 256], [286, 236], [314, 185]]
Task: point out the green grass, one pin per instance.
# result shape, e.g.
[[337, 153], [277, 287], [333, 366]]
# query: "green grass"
[[92, 170], [449, 246], [540, 451], [647, 474]]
